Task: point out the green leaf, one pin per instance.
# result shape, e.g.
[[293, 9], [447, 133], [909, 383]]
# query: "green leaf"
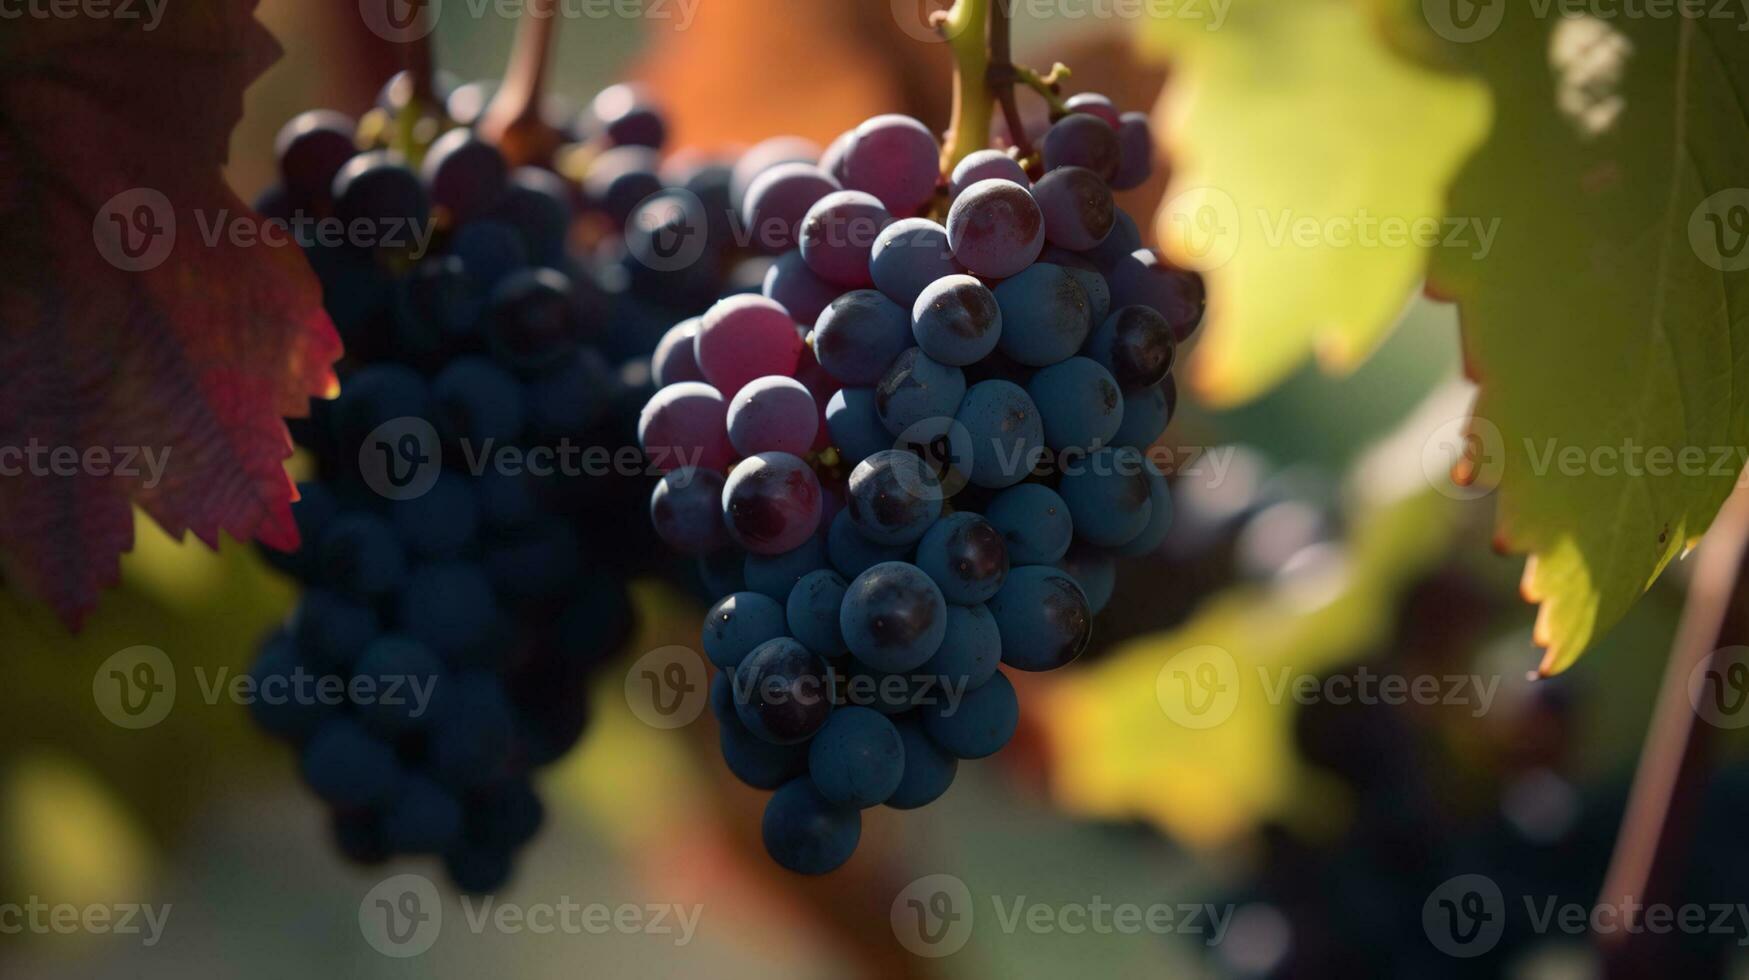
[[1291, 128], [1610, 319]]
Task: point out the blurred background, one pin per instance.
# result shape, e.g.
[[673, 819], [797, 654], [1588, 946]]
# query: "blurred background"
[[1310, 541]]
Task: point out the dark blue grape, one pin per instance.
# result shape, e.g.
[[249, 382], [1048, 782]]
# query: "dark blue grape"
[[893, 497], [1080, 403], [532, 321], [1034, 522], [1145, 278], [1145, 414], [852, 553], [1083, 140], [1006, 430], [424, 819], [956, 320], [378, 189], [1159, 517], [979, 725], [472, 730], [970, 652], [776, 575], [405, 675], [687, 510], [285, 704], [477, 404], [966, 557], [1135, 140], [812, 610], [909, 255], [345, 766], [332, 630], [360, 555], [1136, 345], [449, 607], [917, 389], [782, 693], [857, 758], [1043, 617], [857, 336], [756, 762], [893, 617], [738, 623], [854, 422], [806, 834], [928, 770], [1046, 315], [1095, 571]]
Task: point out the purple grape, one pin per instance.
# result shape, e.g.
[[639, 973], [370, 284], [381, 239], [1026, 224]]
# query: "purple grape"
[[836, 158], [1082, 140], [312, 148], [781, 692], [673, 361], [917, 389], [686, 424], [1094, 104], [1087, 276], [898, 160], [957, 321], [791, 284], [746, 337], [771, 503], [858, 336], [778, 200], [464, 175], [1135, 344], [627, 118], [855, 425], [1147, 279], [893, 497], [687, 510], [1124, 239], [620, 179], [1135, 139], [765, 155], [987, 165], [838, 237], [996, 229], [908, 256], [1077, 206], [773, 414]]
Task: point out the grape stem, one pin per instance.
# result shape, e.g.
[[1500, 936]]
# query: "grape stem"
[[963, 26], [1003, 74], [1651, 847], [513, 121], [1046, 85]]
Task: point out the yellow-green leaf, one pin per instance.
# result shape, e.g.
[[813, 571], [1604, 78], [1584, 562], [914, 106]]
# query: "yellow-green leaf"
[[1301, 143], [1608, 327]]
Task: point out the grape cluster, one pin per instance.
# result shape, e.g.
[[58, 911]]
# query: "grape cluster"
[[457, 596], [934, 476]]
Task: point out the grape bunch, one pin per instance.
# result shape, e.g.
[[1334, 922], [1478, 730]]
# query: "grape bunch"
[[916, 456], [458, 593]]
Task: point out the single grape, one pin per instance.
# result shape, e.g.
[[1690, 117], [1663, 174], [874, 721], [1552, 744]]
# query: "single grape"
[[464, 174], [1136, 345], [1094, 104], [687, 510], [987, 165], [966, 557], [478, 870], [532, 321], [956, 320], [1046, 315], [917, 389], [893, 497], [928, 770], [894, 617], [620, 179], [980, 724], [806, 834], [674, 360], [1147, 279], [971, 650], [442, 522], [490, 251], [377, 189], [571, 397], [765, 155], [771, 503], [776, 575], [1077, 206], [626, 117], [1095, 571], [1108, 496], [331, 629], [836, 159], [995, 228], [738, 623], [1159, 517], [311, 149], [424, 819], [1007, 433], [472, 730], [408, 669], [746, 337], [773, 414], [791, 284], [1124, 239], [851, 553], [857, 337], [857, 759], [278, 673], [782, 693], [1083, 140], [779, 199], [753, 760], [449, 606], [1087, 275], [812, 611], [855, 425], [1135, 140], [1080, 403], [1034, 522], [438, 307], [1145, 414], [909, 255], [686, 424], [898, 160], [838, 237], [1043, 617], [345, 766]]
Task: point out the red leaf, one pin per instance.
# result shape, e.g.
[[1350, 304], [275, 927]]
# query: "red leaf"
[[196, 357]]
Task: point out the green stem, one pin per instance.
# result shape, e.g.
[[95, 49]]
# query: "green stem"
[[1046, 85], [973, 104]]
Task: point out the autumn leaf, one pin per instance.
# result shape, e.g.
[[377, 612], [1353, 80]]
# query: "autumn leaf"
[[1608, 326], [149, 359], [1306, 153]]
